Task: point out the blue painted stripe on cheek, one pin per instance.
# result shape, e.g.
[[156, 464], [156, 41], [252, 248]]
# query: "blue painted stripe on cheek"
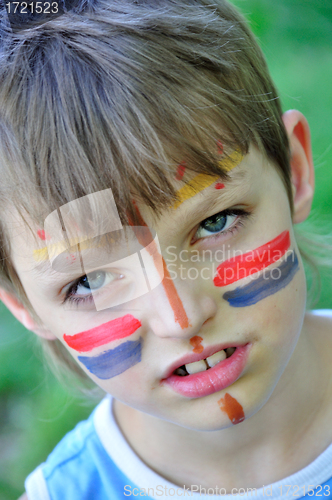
[[264, 285], [115, 361]]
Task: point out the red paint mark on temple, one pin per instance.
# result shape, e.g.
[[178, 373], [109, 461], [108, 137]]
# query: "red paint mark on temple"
[[232, 407], [71, 257], [196, 343], [103, 334], [219, 185], [145, 238], [250, 263], [220, 147], [41, 234], [180, 171]]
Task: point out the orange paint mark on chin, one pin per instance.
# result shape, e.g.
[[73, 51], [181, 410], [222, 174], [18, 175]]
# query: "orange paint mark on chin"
[[196, 343], [232, 407]]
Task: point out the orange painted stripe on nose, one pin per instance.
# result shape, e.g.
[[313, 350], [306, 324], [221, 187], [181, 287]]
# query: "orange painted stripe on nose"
[[146, 240]]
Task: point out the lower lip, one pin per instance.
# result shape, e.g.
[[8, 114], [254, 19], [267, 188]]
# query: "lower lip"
[[212, 380]]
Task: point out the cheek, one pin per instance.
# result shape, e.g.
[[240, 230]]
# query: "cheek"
[[111, 362], [115, 361], [268, 283], [278, 318], [115, 329]]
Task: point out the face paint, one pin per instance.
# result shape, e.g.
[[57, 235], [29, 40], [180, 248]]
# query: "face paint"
[[180, 171], [175, 302], [103, 334], [111, 363], [41, 234], [196, 343], [219, 185], [220, 147], [231, 161], [250, 263], [57, 248], [232, 407], [197, 184], [264, 286], [202, 181], [71, 257]]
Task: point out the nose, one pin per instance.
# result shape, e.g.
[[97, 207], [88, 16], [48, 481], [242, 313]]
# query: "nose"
[[163, 315], [169, 313]]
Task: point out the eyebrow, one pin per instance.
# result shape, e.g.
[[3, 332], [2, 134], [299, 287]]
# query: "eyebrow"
[[226, 197], [46, 274], [202, 181]]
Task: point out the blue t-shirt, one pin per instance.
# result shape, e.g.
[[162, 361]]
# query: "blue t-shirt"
[[95, 462]]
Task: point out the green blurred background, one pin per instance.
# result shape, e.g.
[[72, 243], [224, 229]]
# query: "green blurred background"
[[35, 409]]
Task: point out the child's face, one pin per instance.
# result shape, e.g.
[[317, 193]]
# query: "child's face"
[[132, 350]]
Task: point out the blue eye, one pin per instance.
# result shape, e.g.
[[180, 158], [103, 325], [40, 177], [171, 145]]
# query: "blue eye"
[[93, 281], [221, 223], [217, 222], [89, 283]]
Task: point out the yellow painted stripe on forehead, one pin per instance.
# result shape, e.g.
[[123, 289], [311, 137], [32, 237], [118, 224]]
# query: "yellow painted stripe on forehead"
[[40, 254], [57, 248], [202, 181], [232, 161], [197, 184]]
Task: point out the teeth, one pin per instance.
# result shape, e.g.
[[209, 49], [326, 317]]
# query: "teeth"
[[181, 371], [205, 364], [229, 351], [198, 366], [215, 358]]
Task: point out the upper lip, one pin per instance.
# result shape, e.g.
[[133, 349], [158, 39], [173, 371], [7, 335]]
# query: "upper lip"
[[192, 357]]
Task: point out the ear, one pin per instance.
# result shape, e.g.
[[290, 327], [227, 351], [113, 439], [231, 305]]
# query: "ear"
[[23, 316], [302, 167]]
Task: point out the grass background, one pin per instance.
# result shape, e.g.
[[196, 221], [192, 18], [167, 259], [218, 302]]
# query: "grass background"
[[35, 410]]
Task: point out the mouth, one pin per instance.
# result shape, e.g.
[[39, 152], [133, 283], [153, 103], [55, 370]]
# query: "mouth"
[[192, 363], [204, 364], [217, 368]]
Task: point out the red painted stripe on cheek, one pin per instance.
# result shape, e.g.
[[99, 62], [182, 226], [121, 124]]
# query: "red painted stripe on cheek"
[[196, 343], [249, 263], [232, 407], [112, 330], [219, 185]]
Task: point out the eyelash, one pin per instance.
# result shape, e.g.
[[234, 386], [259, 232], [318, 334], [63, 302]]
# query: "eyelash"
[[71, 299], [242, 214]]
